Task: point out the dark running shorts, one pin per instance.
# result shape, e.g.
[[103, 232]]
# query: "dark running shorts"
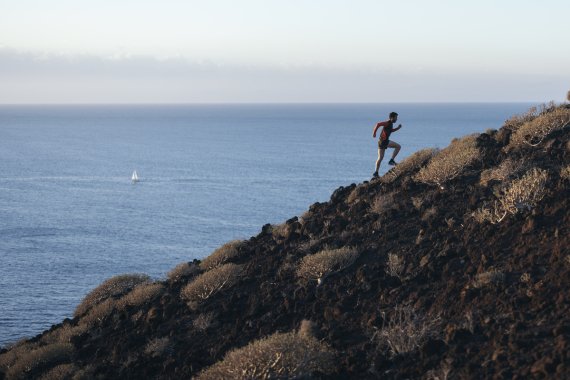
[[383, 144]]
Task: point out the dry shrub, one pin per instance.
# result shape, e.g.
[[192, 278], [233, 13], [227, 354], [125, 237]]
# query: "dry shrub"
[[568, 96], [221, 255], [429, 214], [305, 216], [40, 359], [526, 192], [488, 278], [417, 202], [395, 265], [516, 121], [450, 162], [383, 203], [307, 328], [98, 313], [280, 231], [407, 330], [211, 282], [324, 263], [522, 194], [353, 196], [182, 271], [64, 334], [159, 347], [141, 295], [60, 372], [203, 321], [410, 164], [278, 356], [308, 245], [113, 287], [565, 173], [483, 214], [534, 131], [507, 169], [17, 350], [525, 278]]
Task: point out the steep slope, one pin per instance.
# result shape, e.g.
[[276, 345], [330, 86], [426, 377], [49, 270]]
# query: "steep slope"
[[465, 277]]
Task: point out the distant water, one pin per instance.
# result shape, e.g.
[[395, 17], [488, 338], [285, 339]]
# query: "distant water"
[[70, 217]]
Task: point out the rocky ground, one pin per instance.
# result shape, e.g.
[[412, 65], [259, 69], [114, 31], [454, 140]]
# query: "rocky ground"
[[481, 299]]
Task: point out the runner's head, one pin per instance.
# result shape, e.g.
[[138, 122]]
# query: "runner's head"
[[393, 117]]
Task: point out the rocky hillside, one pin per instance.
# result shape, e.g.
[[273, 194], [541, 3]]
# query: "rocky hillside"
[[455, 264]]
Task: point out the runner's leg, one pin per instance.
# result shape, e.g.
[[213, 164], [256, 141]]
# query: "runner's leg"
[[380, 157], [396, 147]]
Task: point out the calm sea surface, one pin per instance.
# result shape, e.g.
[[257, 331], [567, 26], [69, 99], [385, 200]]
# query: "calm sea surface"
[[70, 216]]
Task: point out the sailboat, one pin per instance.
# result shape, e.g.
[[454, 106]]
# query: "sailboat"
[[135, 177]]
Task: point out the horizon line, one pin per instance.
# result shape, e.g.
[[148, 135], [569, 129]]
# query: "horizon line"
[[264, 103]]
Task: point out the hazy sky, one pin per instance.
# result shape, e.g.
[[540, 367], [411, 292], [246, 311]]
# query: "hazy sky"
[[109, 51]]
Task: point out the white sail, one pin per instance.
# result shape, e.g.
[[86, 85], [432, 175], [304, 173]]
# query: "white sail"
[[135, 176]]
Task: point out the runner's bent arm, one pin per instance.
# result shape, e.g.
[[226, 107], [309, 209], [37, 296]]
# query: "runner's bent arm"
[[382, 124], [395, 129]]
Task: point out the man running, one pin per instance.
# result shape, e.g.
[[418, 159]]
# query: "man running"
[[384, 142]]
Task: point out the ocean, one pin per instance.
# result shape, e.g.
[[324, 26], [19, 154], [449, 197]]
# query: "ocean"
[[70, 217]]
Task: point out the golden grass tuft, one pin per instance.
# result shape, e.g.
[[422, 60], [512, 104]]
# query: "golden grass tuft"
[[40, 359], [113, 287], [211, 282], [534, 131], [278, 356], [410, 164], [450, 162], [326, 262], [221, 255]]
